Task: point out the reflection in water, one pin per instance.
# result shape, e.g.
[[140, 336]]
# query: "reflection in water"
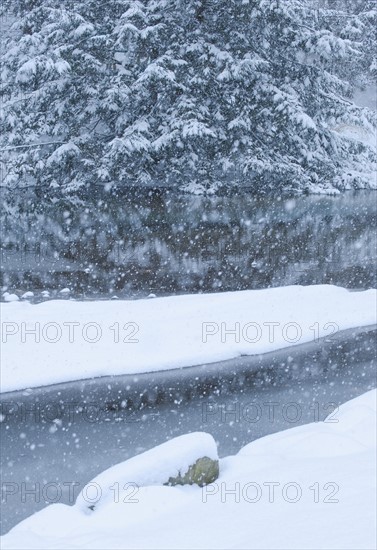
[[168, 243]]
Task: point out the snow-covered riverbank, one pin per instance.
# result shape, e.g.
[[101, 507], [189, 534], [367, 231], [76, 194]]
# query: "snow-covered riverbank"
[[63, 340], [309, 487]]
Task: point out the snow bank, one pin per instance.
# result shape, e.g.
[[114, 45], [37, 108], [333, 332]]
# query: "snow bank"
[[59, 341], [154, 467], [309, 487]]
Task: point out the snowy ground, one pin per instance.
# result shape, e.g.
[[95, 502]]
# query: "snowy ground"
[[311, 487], [59, 341]]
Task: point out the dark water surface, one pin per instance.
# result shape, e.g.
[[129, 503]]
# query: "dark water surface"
[[131, 245]]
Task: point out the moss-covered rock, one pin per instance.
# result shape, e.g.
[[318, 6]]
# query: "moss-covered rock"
[[204, 471]]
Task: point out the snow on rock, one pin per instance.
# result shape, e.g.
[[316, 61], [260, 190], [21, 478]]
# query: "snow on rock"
[[10, 297], [154, 467], [357, 133], [309, 487], [27, 295], [366, 97], [77, 340]]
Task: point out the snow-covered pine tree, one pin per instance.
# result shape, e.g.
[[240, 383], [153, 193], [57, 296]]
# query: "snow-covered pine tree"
[[55, 100], [355, 20], [146, 78], [189, 93]]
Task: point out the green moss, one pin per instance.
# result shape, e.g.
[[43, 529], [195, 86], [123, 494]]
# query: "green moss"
[[204, 471]]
